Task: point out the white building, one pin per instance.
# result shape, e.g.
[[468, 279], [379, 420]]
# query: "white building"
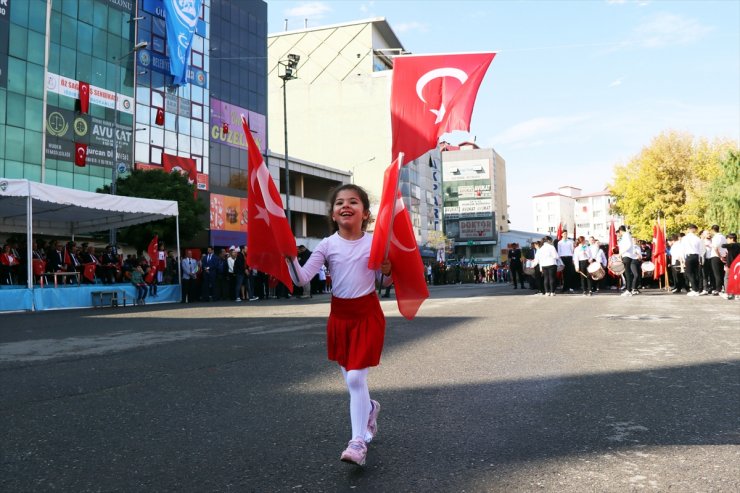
[[338, 110], [590, 213]]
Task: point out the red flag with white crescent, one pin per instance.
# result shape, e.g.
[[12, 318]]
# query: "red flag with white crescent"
[[89, 272], [152, 250], [80, 154], [733, 277], [407, 268], [270, 238], [84, 93], [432, 95]]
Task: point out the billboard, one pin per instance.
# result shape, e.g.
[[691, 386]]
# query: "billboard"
[[228, 213], [476, 229], [65, 127], [473, 169], [222, 112], [65, 86]]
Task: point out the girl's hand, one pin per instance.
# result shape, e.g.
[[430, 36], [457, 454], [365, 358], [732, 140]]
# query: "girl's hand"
[[385, 267]]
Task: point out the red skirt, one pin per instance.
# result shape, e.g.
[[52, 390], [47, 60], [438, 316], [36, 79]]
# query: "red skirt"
[[355, 331]]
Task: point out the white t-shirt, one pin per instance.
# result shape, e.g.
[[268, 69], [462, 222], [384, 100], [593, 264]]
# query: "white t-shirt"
[[546, 255], [717, 241], [597, 254], [692, 245], [627, 247], [565, 247], [350, 277]]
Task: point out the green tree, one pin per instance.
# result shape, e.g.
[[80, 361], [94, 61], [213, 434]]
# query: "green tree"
[[724, 195], [156, 184], [670, 177]]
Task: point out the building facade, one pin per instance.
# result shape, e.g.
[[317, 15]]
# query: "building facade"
[[590, 213], [137, 117], [475, 202], [342, 95]]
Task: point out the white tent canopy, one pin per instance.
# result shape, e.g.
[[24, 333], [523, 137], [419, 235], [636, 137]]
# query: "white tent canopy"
[[64, 211], [36, 208]]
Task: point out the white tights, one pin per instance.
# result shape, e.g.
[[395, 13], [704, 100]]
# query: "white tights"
[[359, 401]]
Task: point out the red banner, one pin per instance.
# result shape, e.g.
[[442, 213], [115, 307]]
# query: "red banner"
[[84, 97], [80, 154]]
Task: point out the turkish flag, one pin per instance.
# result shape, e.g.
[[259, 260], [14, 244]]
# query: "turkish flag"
[[159, 119], [733, 277], [67, 258], [80, 154], [152, 250], [560, 231], [659, 259], [407, 268], [84, 92], [612, 239], [183, 165], [89, 272], [432, 95], [149, 277], [270, 238]]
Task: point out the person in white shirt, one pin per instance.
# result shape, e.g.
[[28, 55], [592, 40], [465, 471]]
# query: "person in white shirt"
[[677, 264], [547, 258], [715, 259], [565, 249], [693, 251], [356, 327], [629, 254], [598, 255], [582, 257]]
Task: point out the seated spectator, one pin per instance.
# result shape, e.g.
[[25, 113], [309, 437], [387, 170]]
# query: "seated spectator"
[[137, 279], [8, 265]]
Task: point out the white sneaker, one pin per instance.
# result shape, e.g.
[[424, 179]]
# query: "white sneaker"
[[634, 291], [626, 293], [692, 293], [724, 295], [703, 293]]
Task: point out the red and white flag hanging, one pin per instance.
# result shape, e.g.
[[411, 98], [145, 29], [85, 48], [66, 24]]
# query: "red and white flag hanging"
[[432, 95], [733, 277], [270, 238], [84, 93], [80, 154], [393, 222]]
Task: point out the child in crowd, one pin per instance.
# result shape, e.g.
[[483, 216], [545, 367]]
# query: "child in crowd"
[[356, 325], [137, 279]]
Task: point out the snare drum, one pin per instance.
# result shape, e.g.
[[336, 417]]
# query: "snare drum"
[[647, 269], [596, 271], [616, 266], [529, 268]]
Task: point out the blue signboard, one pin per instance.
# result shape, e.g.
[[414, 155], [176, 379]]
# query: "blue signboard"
[[161, 64]]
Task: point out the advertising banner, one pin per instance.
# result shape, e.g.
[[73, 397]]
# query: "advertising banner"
[[160, 63], [69, 87], [156, 7], [474, 169], [228, 213], [474, 191], [474, 208], [222, 112], [477, 228], [65, 127]]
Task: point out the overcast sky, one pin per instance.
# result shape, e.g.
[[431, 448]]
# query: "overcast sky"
[[576, 87]]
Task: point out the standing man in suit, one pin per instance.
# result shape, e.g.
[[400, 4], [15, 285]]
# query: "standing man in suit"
[[189, 274]]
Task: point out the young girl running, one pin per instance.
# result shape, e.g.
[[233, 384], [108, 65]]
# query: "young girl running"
[[356, 326]]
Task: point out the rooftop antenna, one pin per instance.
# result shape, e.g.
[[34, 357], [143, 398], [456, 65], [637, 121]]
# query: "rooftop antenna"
[[286, 24], [305, 23]]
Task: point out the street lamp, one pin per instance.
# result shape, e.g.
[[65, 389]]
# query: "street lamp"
[[290, 72], [114, 172]]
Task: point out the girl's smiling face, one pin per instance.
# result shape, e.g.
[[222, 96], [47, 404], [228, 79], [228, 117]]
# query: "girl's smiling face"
[[348, 211]]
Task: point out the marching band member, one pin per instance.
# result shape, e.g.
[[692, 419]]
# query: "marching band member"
[[677, 264], [598, 255], [693, 250], [547, 258], [582, 257], [629, 256]]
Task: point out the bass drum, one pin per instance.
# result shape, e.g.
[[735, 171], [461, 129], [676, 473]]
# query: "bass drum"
[[616, 266], [647, 269], [528, 268], [596, 271]]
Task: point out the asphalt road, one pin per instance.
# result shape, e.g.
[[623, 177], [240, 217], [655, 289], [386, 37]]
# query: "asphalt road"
[[488, 389]]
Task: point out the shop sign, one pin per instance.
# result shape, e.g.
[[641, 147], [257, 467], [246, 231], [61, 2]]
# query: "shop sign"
[[222, 112], [160, 63], [477, 228], [65, 86]]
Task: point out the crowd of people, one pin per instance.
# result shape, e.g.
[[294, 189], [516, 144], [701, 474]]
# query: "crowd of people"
[[697, 263]]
